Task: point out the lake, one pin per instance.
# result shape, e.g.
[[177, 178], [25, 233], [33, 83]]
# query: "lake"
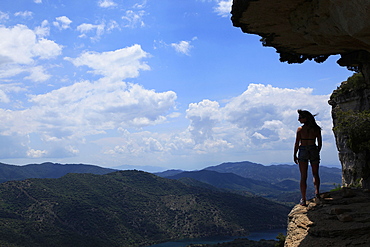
[[257, 235]]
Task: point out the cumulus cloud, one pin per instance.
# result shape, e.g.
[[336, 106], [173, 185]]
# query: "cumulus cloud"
[[223, 8], [261, 119], [71, 113], [262, 116], [20, 47], [62, 22], [43, 30], [203, 118], [86, 108], [119, 64]]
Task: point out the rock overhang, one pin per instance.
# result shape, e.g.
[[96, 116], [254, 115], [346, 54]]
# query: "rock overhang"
[[306, 29]]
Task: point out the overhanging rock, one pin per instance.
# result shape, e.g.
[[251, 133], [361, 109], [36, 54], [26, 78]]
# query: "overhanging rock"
[[306, 29]]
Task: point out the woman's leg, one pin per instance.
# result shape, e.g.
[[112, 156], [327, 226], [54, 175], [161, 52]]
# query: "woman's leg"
[[303, 167], [316, 177]]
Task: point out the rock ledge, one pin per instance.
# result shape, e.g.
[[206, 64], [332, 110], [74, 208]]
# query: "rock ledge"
[[340, 218]]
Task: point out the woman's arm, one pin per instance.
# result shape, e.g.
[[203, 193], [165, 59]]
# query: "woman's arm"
[[296, 145], [319, 141]]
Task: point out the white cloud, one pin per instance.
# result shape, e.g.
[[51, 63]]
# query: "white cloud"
[[223, 8], [262, 116], [3, 97], [37, 1], [3, 16], [203, 118], [119, 64], [32, 153], [133, 18], [43, 30], [62, 22], [260, 121], [67, 115], [106, 3], [10, 88], [37, 74], [20, 48], [183, 47], [86, 28], [24, 14]]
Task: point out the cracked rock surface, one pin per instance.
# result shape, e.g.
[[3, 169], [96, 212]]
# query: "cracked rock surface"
[[340, 218]]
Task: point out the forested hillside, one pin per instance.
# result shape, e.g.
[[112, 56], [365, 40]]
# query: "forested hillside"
[[46, 170], [126, 208]]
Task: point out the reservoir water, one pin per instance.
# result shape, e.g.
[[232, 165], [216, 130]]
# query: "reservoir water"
[[257, 235]]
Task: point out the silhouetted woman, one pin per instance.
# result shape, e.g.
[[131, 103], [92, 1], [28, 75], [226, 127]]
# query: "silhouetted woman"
[[308, 151]]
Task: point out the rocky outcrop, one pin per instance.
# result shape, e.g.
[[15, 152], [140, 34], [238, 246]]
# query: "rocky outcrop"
[[340, 218], [301, 29], [351, 120]]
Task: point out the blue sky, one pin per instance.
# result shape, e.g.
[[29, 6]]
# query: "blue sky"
[[150, 85]]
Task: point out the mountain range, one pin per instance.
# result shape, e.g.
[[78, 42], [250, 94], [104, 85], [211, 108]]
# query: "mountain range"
[[52, 204], [47, 170], [124, 208], [277, 182]]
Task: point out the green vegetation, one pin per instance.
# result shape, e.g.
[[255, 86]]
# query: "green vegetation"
[[356, 125], [126, 208], [337, 187], [356, 82], [281, 237]]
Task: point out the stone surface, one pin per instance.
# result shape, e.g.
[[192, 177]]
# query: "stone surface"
[[333, 220], [301, 29], [355, 166]]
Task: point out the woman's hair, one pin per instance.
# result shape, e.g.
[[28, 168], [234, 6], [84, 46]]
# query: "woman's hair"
[[311, 122]]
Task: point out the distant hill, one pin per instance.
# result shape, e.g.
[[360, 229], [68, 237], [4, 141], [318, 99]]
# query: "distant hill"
[[124, 208], [275, 173], [168, 173], [47, 170], [277, 182], [229, 181]]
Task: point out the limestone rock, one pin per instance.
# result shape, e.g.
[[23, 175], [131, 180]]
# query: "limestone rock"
[[334, 220], [355, 165], [301, 29]]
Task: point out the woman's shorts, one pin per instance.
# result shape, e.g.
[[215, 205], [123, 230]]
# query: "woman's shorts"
[[309, 153]]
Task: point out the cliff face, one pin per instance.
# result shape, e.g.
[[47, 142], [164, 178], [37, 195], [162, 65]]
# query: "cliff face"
[[350, 111]]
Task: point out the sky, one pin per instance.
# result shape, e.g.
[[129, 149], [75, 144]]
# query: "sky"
[[150, 85]]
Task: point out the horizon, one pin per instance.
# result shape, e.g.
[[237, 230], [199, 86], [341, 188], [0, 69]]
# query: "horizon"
[[155, 169], [145, 83]]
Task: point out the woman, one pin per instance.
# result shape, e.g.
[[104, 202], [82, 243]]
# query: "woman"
[[305, 143]]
